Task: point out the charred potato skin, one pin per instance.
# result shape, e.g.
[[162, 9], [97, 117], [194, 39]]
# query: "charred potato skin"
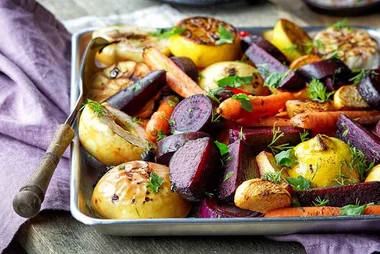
[[261, 196]]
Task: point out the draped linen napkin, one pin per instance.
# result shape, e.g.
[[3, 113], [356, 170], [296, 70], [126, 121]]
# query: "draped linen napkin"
[[34, 99]]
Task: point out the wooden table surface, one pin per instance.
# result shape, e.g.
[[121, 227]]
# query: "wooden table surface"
[[58, 232]]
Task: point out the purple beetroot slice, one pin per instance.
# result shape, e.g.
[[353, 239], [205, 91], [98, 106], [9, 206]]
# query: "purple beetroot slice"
[[195, 169], [211, 208], [265, 45], [326, 68], [192, 114], [377, 129], [240, 167], [292, 81], [187, 65], [369, 88], [169, 145]]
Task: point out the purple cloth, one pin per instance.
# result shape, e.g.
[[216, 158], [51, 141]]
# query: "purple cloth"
[[34, 99]]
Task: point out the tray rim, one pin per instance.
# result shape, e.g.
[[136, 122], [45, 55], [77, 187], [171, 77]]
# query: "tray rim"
[[91, 221]]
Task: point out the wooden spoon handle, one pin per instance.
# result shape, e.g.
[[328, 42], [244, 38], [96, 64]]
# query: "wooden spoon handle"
[[27, 202]]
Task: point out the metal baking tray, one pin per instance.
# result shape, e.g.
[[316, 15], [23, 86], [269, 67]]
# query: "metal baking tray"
[[83, 179]]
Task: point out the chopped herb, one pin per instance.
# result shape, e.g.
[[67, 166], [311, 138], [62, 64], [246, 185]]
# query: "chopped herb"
[[225, 36], [346, 130], [299, 183], [228, 176], [215, 118], [320, 202], [358, 161], [223, 148], [353, 209], [155, 182], [95, 106], [244, 100], [273, 80], [262, 69], [171, 122], [310, 46], [358, 77], [276, 135], [208, 194], [274, 177], [149, 146], [335, 55], [173, 103], [200, 76], [160, 135], [136, 88], [318, 91], [136, 120], [319, 44], [241, 135], [168, 32], [137, 211], [211, 94], [291, 50], [340, 25], [286, 158], [304, 136], [234, 81], [122, 167]]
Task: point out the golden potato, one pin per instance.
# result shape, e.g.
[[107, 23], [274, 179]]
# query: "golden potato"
[[123, 193], [261, 196], [294, 107], [348, 97]]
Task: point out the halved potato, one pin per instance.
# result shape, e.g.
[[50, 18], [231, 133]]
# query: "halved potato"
[[348, 97], [294, 107], [123, 193], [110, 135]]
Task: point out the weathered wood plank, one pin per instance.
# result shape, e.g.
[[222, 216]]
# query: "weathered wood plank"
[[58, 232]]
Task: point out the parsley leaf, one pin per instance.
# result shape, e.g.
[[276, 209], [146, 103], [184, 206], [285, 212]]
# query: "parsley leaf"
[[320, 202], [244, 100], [160, 135], [228, 176], [318, 91], [212, 95], [136, 120], [95, 106], [122, 167], [225, 36], [352, 209], [273, 80], [223, 148], [286, 158], [291, 50], [274, 177], [299, 183], [335, 55], [234, 81], [155, 182], [168, 32], [136, 88], [340, 25]]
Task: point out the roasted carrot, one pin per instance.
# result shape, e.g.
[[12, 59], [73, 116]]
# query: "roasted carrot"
[[261, 106], [176, 79], [303, 60], [159, 122], [327, 120], [302, 95], [282, 114], [146, 111], [372, 210], [294, 107], [304, 211], [264, 122]]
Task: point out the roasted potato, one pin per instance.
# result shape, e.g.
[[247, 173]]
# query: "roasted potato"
[[131, 191], [348, 97], [261, 196], [294, 107]]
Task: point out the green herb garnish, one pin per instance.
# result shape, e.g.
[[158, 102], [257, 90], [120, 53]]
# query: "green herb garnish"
[[223, 148], [335, 55], [168, 32], [215, 118], [241, 135], [244, 100], [274, 177], [358, 161], [228, 176], [318, 91], [273, 80], [320, 202], [155, 182], [358, 77], [212, 96], [340, 25], [122, 167], [353, 209], [208, 194], [136, 120], [225, 36], [291, 50], [95, 106], [286, 158], [136, 88], [276, 135], [304, 136], [346, 130], [234, 81], [160, 135], [299, 183]]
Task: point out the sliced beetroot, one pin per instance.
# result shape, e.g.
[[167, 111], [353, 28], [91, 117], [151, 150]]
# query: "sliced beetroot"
[[240, 167], [359, 137], [265, 45], [362, 193], [192, 114], [292, 81], [377, 129], [333, 68], [258, 139], [195, 169], [211, 208], [132, 98], [187, 65], [369, 88], [169, 145]]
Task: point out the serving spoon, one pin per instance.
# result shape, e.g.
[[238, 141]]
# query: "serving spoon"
[[27, 202]]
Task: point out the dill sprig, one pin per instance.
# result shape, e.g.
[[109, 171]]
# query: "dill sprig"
[[95, 106]]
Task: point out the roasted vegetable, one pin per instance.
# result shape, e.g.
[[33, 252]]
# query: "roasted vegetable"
[[137, 190], [324, 161], [374, 174], [195, 169], [187, 66], [240, 166], [211, 208], [206, 40], [261, 196], [348, 97], [294, 107], [304, 60], [304, 212], [369, 88], [267, 164]]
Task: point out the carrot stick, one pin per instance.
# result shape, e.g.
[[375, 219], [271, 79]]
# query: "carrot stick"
[[261, 106], [177, 80], [304, 211], [159, 122], [327, 120], [264, 122], [372, 210], [146, 111]]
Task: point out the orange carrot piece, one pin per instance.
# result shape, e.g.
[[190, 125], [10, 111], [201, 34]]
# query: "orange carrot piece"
[[261, 106], [282, 114], [303, 60], [176, 79], [264, 122], [146, 111], [303, 211], [327, 120], [372, 210], [144, 122], [159, 122]]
